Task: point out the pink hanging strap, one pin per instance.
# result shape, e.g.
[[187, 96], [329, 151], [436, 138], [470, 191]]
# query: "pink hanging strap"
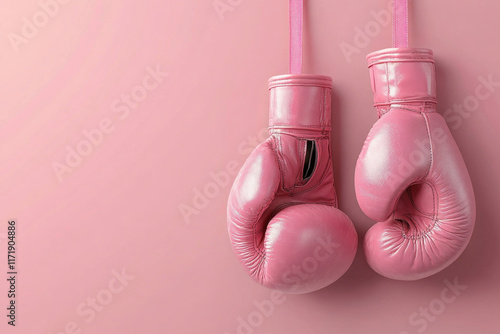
[[296, 8], [400, 23]]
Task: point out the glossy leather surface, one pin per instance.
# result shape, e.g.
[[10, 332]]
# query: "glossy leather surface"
[[285, 229], [410, 176]]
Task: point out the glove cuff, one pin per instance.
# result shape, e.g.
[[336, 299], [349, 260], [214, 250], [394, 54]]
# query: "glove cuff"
[[402, 75], [300, 101]]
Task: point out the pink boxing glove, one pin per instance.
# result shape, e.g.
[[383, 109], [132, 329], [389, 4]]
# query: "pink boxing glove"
[[410, 175], [282, 214]]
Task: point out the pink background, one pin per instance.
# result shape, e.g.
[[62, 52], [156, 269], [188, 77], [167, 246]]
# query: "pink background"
[[120, 207]]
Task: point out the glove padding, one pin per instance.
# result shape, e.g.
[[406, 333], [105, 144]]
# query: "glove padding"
[[282, 214], [410, 176]]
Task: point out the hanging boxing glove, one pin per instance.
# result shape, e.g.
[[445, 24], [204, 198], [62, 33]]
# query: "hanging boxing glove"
[[410, 176], [283, 220], [282, 214]]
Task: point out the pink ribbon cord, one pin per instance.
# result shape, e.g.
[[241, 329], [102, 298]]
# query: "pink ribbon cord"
[[400, 23], [296, 8]]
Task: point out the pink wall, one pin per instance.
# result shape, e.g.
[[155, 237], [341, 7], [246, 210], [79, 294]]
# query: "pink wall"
[[103, 245]]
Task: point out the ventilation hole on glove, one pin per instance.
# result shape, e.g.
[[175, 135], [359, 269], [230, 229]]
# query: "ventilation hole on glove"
[[309, 160]]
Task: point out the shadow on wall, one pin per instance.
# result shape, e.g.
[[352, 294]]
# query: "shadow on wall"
[[481, 257]]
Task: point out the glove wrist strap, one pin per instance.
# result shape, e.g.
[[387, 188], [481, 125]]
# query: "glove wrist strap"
[[400, 23], [402, 74], [299, 101], [296, 11]]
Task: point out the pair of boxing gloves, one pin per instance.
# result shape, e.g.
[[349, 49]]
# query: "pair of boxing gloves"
[[410, 179]]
